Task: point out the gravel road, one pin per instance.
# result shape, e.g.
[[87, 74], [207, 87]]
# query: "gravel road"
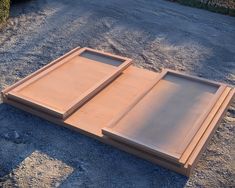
[[156, 34]]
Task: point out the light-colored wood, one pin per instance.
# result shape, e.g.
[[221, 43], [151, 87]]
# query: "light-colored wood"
[[168, 117], [204, 126], [115, 120], [113, 100], [106, 105], [109, 105], [38, 71], [65, 86], [95, 133], [221, 108], [185, 170]]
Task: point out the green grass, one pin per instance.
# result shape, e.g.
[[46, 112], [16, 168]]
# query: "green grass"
[[4, 10], [208, 6]]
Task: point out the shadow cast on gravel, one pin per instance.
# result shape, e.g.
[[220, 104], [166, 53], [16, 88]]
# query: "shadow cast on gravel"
[[20, 7], [91, 162]]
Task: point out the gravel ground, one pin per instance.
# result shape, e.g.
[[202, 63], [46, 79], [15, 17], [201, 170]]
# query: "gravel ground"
[[156, 34]]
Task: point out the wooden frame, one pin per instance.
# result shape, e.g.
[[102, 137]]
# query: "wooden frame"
[[135, 84], [14, 92], [151, 148], [185, 169]]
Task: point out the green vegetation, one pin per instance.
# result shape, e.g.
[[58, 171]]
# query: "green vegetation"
[[212, 5], [4, 10]]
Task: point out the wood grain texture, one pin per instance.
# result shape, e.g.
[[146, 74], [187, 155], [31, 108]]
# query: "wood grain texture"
[[66, 85], [96, 133], [166, 120]]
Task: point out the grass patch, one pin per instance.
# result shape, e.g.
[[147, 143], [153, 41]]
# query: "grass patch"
[[211, 5], [4, 10]]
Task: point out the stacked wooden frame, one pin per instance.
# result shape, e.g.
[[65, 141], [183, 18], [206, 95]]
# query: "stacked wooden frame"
[[167, 118]]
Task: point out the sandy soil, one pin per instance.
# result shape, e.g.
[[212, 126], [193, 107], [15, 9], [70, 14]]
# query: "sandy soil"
[[156, 34]]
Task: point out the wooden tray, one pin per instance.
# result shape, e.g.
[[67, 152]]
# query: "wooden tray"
[[168, 117], [110, 106], [69, 82]]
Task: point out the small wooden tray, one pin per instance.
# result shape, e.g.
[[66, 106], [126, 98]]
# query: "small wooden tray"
[[69, 82], [168, 117]]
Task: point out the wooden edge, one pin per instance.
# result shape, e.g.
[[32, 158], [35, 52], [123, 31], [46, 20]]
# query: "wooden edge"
[[200, 121], [29, 109], [188, 150], [146, 156], [50, 69], [205, 139], [207, 122], [155, 82], [9, 92], [219, 92], [136, 144], [81, 100], [136, 101], [185, 170], [39, 107], [95, 89], [195, 78], [156, 160], [3, 92], [188, 168], [107, 130]]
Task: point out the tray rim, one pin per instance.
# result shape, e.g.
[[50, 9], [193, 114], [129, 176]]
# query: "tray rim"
[[12, 92], [184, 170], [218, 110], [190, 147]]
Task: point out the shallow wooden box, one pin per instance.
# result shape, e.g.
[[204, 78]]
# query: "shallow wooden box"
[[64, 85], [166, 118]]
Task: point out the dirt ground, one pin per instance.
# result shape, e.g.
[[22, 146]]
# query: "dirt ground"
[[156, 34]]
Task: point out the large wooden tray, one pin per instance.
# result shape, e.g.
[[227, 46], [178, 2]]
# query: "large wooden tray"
[[113, 102], [166, 120], [69, 82]]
